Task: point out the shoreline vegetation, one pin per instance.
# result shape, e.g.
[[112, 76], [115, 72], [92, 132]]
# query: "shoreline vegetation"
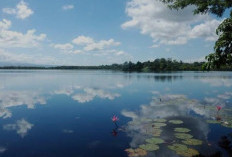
[[158, 65]]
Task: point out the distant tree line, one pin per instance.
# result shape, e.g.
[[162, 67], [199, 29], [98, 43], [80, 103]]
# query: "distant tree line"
[[158, 65]]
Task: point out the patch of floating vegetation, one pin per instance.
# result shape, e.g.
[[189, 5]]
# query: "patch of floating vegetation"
[[183, 150], [158, 125], [136, 152], [192, 141], [182, 130], [156, 132], [223, 123], [176, 121], [155, 140], [183, 136], [149, 147], [213, 122], [160, 120]]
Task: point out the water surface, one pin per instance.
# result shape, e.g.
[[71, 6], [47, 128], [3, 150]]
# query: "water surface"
[[68, 113]]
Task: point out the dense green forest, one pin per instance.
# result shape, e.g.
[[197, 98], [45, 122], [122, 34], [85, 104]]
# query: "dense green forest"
[[148, 66]]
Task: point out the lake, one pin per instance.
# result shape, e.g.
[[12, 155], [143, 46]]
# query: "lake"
[[55, 113]]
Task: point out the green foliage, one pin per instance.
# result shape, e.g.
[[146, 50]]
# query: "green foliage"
[[216, 7], [223, 46], [183, 130]]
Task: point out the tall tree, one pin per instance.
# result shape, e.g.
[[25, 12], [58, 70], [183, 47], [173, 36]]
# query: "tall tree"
[[223, 46]]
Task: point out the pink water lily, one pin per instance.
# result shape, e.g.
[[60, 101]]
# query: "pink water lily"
[[219, 108], [115, 119]]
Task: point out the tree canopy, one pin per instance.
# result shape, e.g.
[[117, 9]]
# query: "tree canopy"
[[223, 46]]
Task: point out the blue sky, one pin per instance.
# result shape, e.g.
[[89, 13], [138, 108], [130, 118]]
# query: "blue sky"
[[94, 32]]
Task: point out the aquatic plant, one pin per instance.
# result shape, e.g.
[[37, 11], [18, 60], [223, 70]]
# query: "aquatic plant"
[[192, 142], [160, 120], [182, 130], [213, 122], [149, 147], [158, 125], [136, 152], [183, 150], [176, 121], [115, 118], [218, 108], [183, 136], [155, 140], [156, 132]]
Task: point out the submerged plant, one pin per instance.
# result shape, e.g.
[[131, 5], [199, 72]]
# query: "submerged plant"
[[176, 121], [183, 136], [149, 147], [182, 130]]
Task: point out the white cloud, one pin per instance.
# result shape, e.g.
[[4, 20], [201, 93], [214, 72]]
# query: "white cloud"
[[14, 58], [91, 45], [10, 38], [18, 98], [5, 24], [21, 11], [83, 40], [167, 26], [88, 44], [2, 149], [21, 126], [102, 44], [91, 93], [68, 7]]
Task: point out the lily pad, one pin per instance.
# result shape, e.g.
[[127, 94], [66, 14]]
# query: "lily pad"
[[183, 130], [158, 125], [213, 122], [183, 136], [183, 150], [155, 140], [149, 147], [193, 142], [176, 121], [228, 125], [136, 152], [146, 120], [156, 132], [160, 120]]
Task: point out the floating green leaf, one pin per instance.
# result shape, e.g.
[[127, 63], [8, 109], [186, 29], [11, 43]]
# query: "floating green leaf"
[[184, 130], [155, 140], [149, 147], [136, 152], [160, 120], [228, 125], [183, 150], [176, 121], [192, 142], [213, 122], [156, 132], [158, 125], [183, 136], [146, 120]]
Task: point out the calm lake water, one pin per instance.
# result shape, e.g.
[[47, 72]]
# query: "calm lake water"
[[69, 114]]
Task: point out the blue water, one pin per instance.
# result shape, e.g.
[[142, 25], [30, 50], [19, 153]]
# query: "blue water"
[[55, 113]]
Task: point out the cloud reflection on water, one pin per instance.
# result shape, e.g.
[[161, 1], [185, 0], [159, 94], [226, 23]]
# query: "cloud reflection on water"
[[21, 127]]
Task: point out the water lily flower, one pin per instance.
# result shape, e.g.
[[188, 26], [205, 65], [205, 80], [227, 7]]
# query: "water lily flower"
[[115, 119], [219, 108]]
